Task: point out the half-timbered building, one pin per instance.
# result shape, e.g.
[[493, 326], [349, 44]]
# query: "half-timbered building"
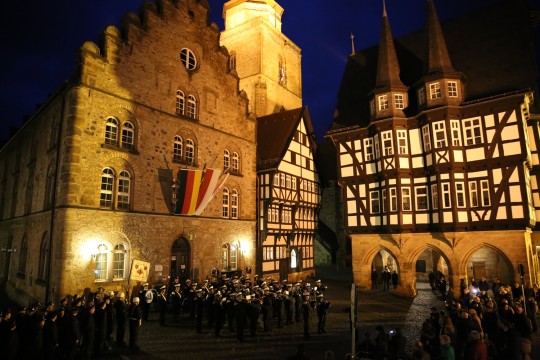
[[438, 161], [288, 195]]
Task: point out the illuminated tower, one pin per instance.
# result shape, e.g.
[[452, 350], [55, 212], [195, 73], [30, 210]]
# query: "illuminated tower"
[[266, 61]]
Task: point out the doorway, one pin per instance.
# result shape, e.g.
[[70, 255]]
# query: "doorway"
[[181, 259]]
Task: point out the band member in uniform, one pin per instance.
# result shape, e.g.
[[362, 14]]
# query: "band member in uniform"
[[306, 313], [176, 300], [199, 310], [266, 309], [219, 314], [162, 305], [145, 305], [135, 321], [120, 307], [322, 310]]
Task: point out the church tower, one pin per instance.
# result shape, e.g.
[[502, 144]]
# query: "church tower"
[[266, 61]]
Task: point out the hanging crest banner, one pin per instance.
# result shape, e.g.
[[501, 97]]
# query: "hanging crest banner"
[[140, 270]]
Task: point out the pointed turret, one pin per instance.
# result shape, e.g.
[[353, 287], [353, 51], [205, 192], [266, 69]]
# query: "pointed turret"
[[389, 97], [441, 84]]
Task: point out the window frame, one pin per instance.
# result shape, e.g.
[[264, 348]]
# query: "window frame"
[[422, 203], [188, 59], [225, 203], [406, 204], [375, 202], [111, 131], [452, 87], [439, 128], [399, 101], [382, 101], [472, 132], [435, 90], [107, 202], [123, 190], [128, 135], [119, 252], [180, 102], [101, 269]]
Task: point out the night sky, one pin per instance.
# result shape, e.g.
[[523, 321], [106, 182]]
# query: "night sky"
[[40, 40]]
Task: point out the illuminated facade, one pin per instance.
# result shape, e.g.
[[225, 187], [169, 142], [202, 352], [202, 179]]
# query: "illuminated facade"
[[87, 182], [439, 168]]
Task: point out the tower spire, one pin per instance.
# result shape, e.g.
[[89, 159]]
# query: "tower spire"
[[438, 60], [387, 65]]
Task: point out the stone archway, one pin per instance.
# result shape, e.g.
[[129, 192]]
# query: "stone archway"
[[181, 258], [381, 261], [490, 263], [430, 265]]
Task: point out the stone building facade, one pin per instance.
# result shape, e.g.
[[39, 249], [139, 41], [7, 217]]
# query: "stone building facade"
[[87, 181]]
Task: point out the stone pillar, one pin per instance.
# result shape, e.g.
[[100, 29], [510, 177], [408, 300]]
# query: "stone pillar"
[[407, 282], [362, 276]]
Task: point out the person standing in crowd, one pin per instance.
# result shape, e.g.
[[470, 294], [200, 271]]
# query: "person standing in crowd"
[[219, 314], [109, 310], [241, 315], [395, 279], [199, 310], [306, 314], [374, 279], [145, 305], [442, 286], [176, 300], [135, 321], [432, 284], [386, 276], [447, 351], [50, 337], [162, 305], [120, 307], [266, 309], [88, 326], [322, 309], [101, 326]]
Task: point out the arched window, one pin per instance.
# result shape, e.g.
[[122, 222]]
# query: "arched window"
[[177, 149], [180, 102], [225, 203], [101, 262], [119, 262], [23, 257], [232, 60], [226, 159], [111, 131], [107, 186], [128, 132], [43, 265], [49, 181], [225, 256], [191, 107], [29, 191], [124, 183], [233, 257], [235, 163], [234, 204], [294, 259], [190, 151]]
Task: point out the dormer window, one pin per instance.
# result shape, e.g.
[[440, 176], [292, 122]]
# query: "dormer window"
[[452, 89], [421, 96], [383, 102], [435, 90], [399, 101]]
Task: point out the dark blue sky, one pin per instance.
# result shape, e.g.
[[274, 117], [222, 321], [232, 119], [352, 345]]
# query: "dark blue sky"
[[40, 39]]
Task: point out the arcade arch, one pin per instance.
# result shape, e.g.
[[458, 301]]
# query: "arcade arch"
[[490, 263]]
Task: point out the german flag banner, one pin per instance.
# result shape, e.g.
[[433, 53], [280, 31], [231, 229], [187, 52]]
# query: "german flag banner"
[[196, 188]]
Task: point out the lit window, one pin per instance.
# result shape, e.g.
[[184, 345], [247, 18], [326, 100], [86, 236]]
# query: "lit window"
[[399, 100], [180, 102], [226, 159], [439, 134], [124, 182], [188, 59], [383, 200], [421, 198], [375, 202], [452, 89], [191, 107], [235, 163], [190, 151], [128, 132], [107, 185], [383, 102], [434, 197], [456, 133], [177, 148], [473, 193], [406, 199], [119, 262], [446, 196], [234, 204], [472, 131], [368, 149], [393, 199], [101, 263], [111, 131], [402, 142], [225, 203], [435, 90], [294, 258], [484, 188], [232, 60], [233, 256], [426, 137], [460, 195], [386, 137]]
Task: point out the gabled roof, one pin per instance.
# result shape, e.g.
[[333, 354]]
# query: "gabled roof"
[[274, 134]]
